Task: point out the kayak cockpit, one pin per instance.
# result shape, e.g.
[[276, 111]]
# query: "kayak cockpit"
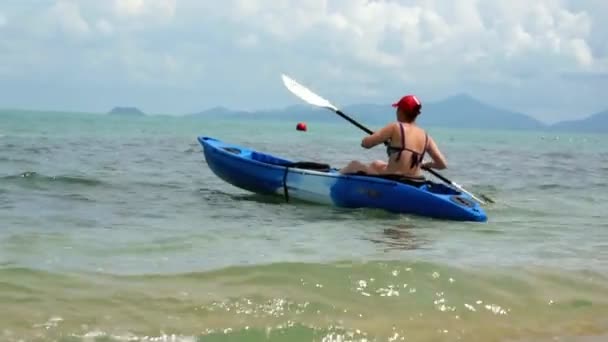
[[306, 165], [437, 188], [268, 159]]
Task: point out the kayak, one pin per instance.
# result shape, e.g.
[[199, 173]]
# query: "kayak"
[[263, 173]]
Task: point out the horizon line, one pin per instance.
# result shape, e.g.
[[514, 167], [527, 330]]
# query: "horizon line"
[[279, 108]]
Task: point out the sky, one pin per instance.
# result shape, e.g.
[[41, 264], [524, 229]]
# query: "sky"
[[546, 58]]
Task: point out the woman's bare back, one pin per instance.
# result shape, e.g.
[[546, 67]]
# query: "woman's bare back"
[[406, 159]]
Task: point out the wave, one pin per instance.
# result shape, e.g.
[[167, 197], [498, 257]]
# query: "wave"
[[167, 185], [572, 184], [554, 186], [17, 160], [339, 274], [215, 195], [543, 186], [192, 149], [38, 150], [305, 301], [565, 155], [32, 177]]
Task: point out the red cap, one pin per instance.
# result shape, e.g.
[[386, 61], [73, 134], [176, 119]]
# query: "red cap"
[[409, 103]]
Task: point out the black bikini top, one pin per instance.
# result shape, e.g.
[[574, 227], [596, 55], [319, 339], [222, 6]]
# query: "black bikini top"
[[417, 157]]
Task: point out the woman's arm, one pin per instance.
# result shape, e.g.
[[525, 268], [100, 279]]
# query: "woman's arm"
[[378, 137], [439, 162]]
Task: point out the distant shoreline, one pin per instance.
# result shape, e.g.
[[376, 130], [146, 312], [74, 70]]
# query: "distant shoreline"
[[460, 111]]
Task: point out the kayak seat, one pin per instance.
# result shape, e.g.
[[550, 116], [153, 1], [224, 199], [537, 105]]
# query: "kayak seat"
[[306, 165]]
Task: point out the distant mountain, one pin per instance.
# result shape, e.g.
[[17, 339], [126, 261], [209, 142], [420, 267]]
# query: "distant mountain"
[[596, 123], [219, 112], [461, 111], [126, 111], [296, 112]]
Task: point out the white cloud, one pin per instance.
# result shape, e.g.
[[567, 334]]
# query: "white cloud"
[[358, 50], [67, 14], [128, 7], [248, 40], [581, 52], [104, 27], [157, 9], [436, 42], [246, 8]]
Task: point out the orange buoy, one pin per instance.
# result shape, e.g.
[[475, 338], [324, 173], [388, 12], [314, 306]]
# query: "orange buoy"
[[301, 126]]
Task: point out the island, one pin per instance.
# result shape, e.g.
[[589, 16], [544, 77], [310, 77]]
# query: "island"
[[595, 123], [126, 111]]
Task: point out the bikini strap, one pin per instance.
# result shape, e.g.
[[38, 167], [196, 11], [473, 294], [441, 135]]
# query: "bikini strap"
[[402, 140], [402, 135], [417, 158]]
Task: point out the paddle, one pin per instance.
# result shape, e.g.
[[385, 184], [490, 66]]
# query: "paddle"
[[308, 96]]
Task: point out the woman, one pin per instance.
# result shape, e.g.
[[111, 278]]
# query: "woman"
[[407, 145]]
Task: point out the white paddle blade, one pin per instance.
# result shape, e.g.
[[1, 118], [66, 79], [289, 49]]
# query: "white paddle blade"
[[305, 93]]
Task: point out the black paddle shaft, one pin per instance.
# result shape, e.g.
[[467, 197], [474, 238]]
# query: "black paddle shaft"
[[367, 130]]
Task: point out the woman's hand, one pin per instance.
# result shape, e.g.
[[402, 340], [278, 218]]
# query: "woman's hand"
[[378, 137]]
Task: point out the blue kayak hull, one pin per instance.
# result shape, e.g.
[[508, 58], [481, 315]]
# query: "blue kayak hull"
[[263, 173]]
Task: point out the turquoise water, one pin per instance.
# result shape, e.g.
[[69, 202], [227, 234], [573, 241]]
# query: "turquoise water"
[[115, 229]]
